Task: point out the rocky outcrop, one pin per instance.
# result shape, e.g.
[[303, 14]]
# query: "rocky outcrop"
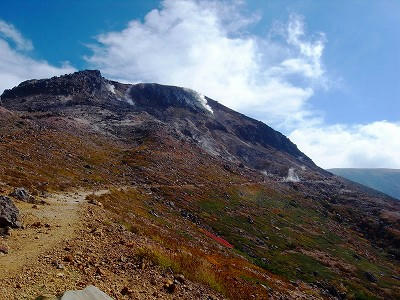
[[80, 88], [85, 83], [23, 195], [162, 96], [8, 213]]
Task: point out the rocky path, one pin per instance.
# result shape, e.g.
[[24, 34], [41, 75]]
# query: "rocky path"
[[68, 244], [45, 226]]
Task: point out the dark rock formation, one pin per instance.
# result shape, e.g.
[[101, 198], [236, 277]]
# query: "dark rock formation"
[[85, 83], [8, 213], [153, 96], [80, 88], [371, 277], [23, 195]]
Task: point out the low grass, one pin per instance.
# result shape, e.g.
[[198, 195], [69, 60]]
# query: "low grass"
[[192, 267], [183, 248]]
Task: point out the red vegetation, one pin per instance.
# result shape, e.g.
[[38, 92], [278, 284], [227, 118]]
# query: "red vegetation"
[[217, 238]]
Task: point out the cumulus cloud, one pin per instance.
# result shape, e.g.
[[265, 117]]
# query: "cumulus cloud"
[[374, 145], [204, 45], [15, 63]]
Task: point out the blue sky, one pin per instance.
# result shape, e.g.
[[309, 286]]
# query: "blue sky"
[[326, 73]]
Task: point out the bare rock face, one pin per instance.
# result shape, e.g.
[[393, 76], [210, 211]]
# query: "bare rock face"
[[84, 83], [80, 88], [152, 95], [8, 213]]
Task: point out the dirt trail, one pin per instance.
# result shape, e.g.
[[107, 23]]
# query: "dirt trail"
[[45, 227], [81, 246]]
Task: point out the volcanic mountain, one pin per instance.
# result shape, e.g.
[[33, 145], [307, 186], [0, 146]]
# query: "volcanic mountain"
[[209, 181]]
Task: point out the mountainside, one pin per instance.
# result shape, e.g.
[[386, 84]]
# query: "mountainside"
[[385, 180], [224, 199], [188, 115]]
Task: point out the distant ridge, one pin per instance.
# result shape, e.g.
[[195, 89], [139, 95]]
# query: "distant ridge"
[[383, 180]]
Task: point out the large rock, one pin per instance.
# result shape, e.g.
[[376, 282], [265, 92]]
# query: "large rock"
[[8, 213], [89, 293], [23, 195], [371, 277]]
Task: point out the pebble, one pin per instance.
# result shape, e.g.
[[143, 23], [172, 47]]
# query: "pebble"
[[4, 249]]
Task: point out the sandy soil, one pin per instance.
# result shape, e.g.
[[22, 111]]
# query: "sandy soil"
[[45, 226]]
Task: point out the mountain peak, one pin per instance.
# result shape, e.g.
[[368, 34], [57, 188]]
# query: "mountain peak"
[[87, 72], [84, 87], [193, 117], [87, 81]]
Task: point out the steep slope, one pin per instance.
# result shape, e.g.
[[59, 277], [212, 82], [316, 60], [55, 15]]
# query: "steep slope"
[[202, 177], [385, 180]]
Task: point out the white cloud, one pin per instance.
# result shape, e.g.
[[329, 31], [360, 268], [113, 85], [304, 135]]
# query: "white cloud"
[[204, 45], [16, 65], [374, 145], [307, 57], [10, 32]]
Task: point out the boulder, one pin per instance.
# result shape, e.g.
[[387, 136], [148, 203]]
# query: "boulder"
[[371, 277], [89, 293], [23, 195], [180, 278], [170, 286], [9, 213]]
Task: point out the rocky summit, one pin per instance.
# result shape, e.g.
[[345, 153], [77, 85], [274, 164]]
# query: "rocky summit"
[[150, 191]]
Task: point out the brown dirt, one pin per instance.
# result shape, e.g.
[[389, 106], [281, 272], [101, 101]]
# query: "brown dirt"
[[45, 226]]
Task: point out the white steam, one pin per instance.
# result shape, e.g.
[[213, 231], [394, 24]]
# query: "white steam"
[[292, 176]]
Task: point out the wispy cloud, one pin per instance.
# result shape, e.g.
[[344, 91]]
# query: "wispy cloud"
[[304, 55], [8, 31], [16, 65]]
